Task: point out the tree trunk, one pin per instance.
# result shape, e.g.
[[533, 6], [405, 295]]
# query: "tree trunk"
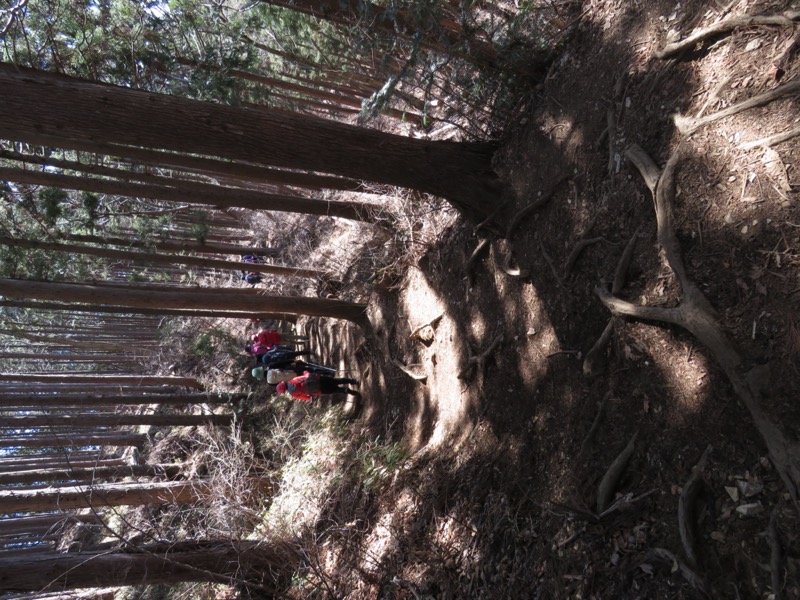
[[63, 463], [87, 474], [101, 495], [53, 521], [205, 299], [112, 420], [227, 197], [160, 259], [129, 380], [78, 440], [41, 401], [224, 561], [38, 103]]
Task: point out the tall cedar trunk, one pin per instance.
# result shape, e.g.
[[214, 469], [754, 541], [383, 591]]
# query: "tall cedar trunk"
[[190, 382], [34, 401], [222, 561], [111, 420], [62, 464], [54, 521], [226, 197], [38, 103], [87, 474], [101, 495], [160, 259], [150, 297], [78, 440]]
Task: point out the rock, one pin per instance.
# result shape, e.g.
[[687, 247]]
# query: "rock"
[[749, 510], [718, 536], [732, 492], [749, 489]]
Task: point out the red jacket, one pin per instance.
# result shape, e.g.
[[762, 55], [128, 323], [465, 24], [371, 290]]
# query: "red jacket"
[[268, 337], [302, 387]]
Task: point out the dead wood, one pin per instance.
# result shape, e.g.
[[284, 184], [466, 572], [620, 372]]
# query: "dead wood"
[[695, 314], [776, 555], [608, 485], [772, 140], [576, 252], [479, 361], [720, 28], [664, 555], [686, 516], [688, 125]]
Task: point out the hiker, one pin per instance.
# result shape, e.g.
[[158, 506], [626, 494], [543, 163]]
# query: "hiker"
[[272, 337], [253, 259], [310, 385], [251, 278], [275, 376]]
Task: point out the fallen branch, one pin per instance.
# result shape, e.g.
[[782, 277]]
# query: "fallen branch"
[[787, 18], [688, 125], [479, 361], [664, 555], [608, 485], [686, 516], [695, 314], [772, 140]]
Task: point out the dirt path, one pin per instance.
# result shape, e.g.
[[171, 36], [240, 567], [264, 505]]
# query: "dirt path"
[[501, 498]]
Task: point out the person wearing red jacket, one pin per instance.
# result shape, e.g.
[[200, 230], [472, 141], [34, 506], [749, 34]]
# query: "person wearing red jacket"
[[271, 337], [310, 385]]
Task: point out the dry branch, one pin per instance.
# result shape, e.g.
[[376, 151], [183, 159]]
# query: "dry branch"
[[688, 125], [686, 516], [608, 485], [787, 18]]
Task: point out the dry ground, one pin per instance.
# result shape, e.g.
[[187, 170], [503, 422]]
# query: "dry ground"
[[498, 497]]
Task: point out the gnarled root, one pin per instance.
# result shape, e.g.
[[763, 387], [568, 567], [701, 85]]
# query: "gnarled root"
[[608, 485], [686, 516], [479, 361], [787, 18], [697, 316], [664, 555]]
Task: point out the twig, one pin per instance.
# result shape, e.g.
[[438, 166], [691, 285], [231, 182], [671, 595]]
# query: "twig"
[[608, 484], [726, 26], [686, 516], [688, 125], [624, 503], [772, 140]]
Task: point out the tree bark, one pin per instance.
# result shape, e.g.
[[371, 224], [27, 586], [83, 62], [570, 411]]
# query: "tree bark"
[[34, 401], [112, 420], [87, 474], [220, 561], [76, 439], [128, 380], [38, 103], [205, 299]]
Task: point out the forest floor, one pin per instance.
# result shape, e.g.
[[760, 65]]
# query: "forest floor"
[[491, 491]]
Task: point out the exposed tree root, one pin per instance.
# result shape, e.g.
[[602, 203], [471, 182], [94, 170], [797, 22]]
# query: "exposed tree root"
[[688, 125], [505, 265], [479, 361], [482, 245], [576, 252], [601, 409], [686, 516], [608, 485], [418, 334], [787, 18], [593, 362], [409, 372], [549, 262], [772, 140], [540, 201], [664, 555], [776, 555], [697, 316]]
